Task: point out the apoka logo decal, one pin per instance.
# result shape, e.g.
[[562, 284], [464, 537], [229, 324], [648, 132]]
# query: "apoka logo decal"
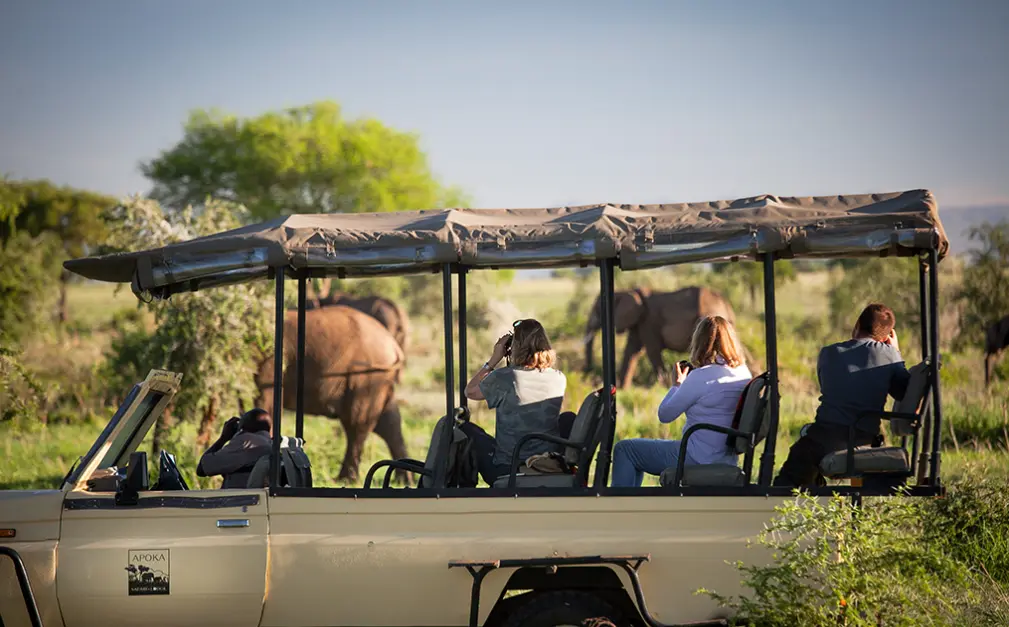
[[148, 571]]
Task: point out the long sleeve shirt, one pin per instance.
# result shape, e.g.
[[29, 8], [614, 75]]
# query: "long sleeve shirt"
[[236, 458], [855, 377], [709, 395]]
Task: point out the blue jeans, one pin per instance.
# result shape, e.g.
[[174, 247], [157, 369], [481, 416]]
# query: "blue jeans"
[[633, 458]]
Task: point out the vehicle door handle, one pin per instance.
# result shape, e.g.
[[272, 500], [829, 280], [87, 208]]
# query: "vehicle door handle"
[[232, 523]]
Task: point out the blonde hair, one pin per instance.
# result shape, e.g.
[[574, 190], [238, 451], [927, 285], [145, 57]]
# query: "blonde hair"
[[530, 346], [714, 337]]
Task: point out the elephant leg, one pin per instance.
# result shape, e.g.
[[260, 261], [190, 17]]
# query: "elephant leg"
[[654, 351], [363, 402], [356, 436], [632, 352], [390, 429], [987, 368]]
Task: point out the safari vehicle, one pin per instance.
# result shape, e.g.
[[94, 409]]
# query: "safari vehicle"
[[108, 548]]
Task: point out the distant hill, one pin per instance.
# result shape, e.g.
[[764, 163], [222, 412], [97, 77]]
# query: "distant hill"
[[957, 220]]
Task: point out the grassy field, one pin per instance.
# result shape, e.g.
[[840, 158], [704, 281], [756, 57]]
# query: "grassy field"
[[976, 434]]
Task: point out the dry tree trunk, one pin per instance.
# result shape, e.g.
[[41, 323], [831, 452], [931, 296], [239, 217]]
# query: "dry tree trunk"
[[207, 423]]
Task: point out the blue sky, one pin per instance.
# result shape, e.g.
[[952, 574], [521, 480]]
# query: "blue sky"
[[537, 103]]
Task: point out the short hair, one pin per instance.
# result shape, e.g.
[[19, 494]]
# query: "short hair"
[[531, 347], [256, 420], [877, 321], [714, 337]]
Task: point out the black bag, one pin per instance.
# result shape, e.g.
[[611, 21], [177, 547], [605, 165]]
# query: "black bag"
[[462, 472]]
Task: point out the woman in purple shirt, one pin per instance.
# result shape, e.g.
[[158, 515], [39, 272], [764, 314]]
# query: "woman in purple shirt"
[[708, 392]]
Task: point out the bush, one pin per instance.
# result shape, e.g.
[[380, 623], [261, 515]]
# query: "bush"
[[27, 294], [972, 524], [835, 563], [21, 395]]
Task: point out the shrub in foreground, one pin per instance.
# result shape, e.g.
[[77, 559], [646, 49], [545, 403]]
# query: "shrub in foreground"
[[838, 564]]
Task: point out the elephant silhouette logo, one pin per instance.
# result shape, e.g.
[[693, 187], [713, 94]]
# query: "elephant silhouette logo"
[[147, 571]]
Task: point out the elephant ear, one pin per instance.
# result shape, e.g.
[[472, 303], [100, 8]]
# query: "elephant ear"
[[628, 310]]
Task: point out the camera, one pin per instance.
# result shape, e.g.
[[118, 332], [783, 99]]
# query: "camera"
[[685, 365], [508, 345]]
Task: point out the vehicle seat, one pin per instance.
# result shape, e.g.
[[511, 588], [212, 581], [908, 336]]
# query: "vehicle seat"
[[750, 427], [296, 468], [886, 464], [579, 449], [445, 463]]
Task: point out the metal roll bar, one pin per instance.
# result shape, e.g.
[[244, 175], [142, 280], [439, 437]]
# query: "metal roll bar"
[[25, 584]]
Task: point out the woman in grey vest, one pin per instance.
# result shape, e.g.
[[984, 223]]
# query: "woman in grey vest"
[[527, 395]]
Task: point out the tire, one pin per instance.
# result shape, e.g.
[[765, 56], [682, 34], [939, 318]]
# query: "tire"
[[565, 607]]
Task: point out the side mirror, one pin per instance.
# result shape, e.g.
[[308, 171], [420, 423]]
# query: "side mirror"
[[137, 480]]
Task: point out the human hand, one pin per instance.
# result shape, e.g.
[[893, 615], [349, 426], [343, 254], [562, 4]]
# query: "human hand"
[[230, 428], [681, 372], [892, 340], [500, 350]]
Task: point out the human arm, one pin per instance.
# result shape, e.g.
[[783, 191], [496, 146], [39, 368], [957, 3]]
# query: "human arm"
[[899, 377], [473, 391], [238, 454], [228, 431], [681, 396]]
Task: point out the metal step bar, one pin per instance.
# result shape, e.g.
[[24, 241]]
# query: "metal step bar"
[[26, 587]]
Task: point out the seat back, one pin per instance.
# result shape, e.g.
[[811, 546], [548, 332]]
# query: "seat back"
[[439, 454], [296, 468], [914, 397], [585, 431], [447, 456], [751, 414]]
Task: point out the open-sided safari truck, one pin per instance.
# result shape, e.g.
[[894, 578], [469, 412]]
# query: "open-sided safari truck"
[[108, 548]]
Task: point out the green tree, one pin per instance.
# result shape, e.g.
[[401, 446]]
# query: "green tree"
[[984, 293], [217, 338], [891, 281], [74, 216], [30, 265], [306, 159], [750, 275], [11, 198]]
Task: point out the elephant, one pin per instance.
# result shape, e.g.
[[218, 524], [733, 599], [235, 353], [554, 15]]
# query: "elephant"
[[352, 366], [656, 321], [995, 340], [386, 311]]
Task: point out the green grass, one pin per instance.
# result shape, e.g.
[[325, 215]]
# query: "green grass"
[[976, 430]]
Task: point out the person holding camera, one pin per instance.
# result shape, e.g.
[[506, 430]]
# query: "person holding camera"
[[243, 441], [526, 395], [707, 389]]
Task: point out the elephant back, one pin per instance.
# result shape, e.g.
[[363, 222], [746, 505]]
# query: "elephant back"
[[712, 303]]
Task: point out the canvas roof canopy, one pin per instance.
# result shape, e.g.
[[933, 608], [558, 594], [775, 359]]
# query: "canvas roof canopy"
[[637, 236]]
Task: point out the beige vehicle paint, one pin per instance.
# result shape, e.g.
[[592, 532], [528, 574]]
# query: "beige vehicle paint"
[[251, 559]]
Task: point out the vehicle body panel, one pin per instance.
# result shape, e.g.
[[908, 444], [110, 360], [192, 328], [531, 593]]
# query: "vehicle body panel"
[[214, 576], [35, 516], [332, 559]]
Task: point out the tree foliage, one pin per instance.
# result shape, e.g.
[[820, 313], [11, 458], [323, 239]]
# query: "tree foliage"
[[984, 293], [21, 394], [891, 281], [305, 159], [216, 338], [750, 276], [31, 266], [71, 217]]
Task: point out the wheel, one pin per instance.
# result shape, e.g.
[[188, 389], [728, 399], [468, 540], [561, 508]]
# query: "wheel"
[[563, 608]]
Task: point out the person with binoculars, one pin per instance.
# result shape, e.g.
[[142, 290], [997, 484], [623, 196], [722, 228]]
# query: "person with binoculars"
[[526, 395]]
